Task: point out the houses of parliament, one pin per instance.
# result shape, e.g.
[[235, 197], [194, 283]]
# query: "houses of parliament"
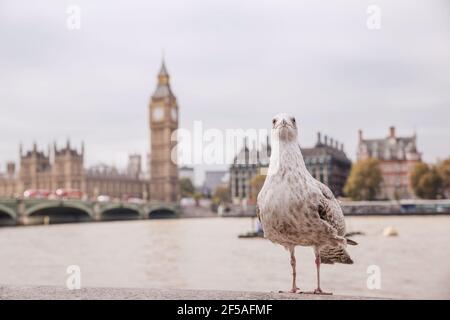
[[63, 167]]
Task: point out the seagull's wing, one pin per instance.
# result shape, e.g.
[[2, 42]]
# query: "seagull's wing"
[[330, 210]]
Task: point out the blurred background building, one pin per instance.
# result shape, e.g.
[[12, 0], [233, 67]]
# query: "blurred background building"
[[187, 172], [163, 110], [326, 161], [63, 168], [397, 157], [213, 180], [247, 164]]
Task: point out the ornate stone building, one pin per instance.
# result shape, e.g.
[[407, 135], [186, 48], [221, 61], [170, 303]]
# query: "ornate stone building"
[[37, 171], [247, 164], [106, 180], [397, 156], [9, 181], [163, 110], [64, 169], [326, 161]]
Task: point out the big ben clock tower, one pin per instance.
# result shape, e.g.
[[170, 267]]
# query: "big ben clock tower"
[[164, 184]]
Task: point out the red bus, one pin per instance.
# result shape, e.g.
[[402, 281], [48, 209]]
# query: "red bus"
[[36, 193], [69, 193]]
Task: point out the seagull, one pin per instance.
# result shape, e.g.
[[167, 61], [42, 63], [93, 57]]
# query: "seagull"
[[297, 210]]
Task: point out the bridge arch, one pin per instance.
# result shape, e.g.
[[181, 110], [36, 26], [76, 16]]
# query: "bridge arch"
[[162, 212], [120, 212], [60, 212], [7, 216]]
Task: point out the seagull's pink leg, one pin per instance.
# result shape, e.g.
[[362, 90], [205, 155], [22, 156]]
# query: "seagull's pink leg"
[[294, 273], [318, 290]]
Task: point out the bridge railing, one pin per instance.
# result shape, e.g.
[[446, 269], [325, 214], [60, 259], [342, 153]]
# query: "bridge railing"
[[22, 210]]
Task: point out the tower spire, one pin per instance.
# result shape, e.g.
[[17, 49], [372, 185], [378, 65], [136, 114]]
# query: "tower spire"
[[163, 86], [163, 71]]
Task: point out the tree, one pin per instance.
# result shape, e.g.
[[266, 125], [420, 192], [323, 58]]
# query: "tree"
[[186, 187], [430, 185], [426, 181], [197, 196], [256, 184], [221, 195], [444, 172], [416, 174], [364, 180]]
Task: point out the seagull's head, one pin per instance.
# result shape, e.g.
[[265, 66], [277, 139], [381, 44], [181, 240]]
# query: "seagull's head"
[[284, 126]]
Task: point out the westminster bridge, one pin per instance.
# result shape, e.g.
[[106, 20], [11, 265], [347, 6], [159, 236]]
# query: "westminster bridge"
[[45, 211]]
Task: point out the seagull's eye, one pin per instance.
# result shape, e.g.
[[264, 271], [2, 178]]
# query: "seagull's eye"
[[274, 121], [293, 120]]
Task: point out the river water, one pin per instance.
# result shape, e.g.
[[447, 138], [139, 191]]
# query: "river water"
[[205, 253]]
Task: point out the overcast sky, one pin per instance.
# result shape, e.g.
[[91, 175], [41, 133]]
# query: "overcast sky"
[[233, 64]]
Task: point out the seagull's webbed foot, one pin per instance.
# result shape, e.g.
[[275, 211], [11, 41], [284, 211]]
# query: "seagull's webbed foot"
[[293, 290], [317, 291]]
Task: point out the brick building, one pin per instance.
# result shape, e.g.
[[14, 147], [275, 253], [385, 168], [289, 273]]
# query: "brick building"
[[397, 156]]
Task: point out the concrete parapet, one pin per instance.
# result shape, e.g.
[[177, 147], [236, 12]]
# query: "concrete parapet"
[[61, 293]]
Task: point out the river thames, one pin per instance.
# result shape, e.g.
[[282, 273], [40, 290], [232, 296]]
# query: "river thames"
[[205, 253]]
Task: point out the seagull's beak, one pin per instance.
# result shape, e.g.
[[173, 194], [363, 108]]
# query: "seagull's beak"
[[284, 124]]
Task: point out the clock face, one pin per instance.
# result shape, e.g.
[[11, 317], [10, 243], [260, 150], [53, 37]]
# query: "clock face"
[[173, 113], [158, 114]]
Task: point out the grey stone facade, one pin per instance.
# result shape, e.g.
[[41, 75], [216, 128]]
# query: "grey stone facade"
[[326, 161]]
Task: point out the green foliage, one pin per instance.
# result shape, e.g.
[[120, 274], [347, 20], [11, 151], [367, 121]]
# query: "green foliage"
[[221, 195], [364, 180], [197, 196], [426, 181], [187, 188], [417, 172], [444, 172]]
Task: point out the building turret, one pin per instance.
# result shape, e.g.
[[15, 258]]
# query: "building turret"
[[319, 139], [163, 109]]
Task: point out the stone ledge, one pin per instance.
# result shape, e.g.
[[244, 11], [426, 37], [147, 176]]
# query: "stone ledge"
[[61, 293]]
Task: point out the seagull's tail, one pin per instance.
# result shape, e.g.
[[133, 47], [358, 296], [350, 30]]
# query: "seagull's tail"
[[331, 255]]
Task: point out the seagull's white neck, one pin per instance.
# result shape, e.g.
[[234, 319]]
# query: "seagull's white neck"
[[285, 156]]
